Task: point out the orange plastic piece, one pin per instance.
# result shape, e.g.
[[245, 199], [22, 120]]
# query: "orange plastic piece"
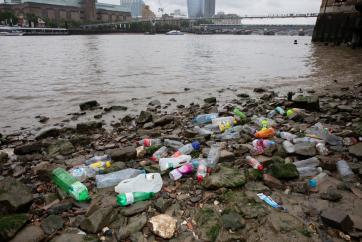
[[265, 133]]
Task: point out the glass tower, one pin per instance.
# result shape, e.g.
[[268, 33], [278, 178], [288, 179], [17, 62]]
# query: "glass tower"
[[195, 8], [134, 6], [208, 8]]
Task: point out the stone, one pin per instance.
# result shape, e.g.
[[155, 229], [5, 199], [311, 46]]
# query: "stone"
[[259, 90], [332, 195], [136, 208], [134, 225], [88, 105], [155, 103], [30, 148], [88, 127], [162, 204], [345, 108], [310, 103], [272, 182], [116, 108], [226, 177], [10, 198], [300, 187], [30, 233], [358, 129], [243, 95], [208, 224], [43, 170], [226, 156], [69, 237], [61, 147], [60, 207], [281, 170], [210, 100], [48, 132], [233, 221], [123, 154], [164, 120], [11, 224], [97, 220], [356, 149], [43, 119], [338, 219], [285, 222], [305, 149], [52, 223], [3, 157], [163, 225], [144, 117]]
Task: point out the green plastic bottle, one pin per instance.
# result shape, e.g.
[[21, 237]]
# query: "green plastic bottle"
[[240, 114], [70, 185], [128, 198]]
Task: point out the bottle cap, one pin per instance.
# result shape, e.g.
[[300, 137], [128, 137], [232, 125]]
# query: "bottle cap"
[[313, 183], [200, 179], [175, 175], [108, 164], [260, 167], [196, 145]]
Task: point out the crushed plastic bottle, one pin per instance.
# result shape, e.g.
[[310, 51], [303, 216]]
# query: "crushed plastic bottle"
[[224, 123], [319, 132], [174, 144], [265, 133], [150, 142], [322, 149], [307, 171], [112, 179], [201, 170], [254, 163], [288, 147], [97, 159], [260, 145], [160, 153], [151, 182], [70, 185], [232, 133], [213, 156], [317, 180], [129, 198], [205, 118], [287, 136], [187, 149], [203, 131], [344, 169], [178, 173], [307, 140], [277, 110], [82, 173], [314, 162], [173, 162]]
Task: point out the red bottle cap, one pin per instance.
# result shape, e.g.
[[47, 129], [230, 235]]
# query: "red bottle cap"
[[200, 179], [260, 167]]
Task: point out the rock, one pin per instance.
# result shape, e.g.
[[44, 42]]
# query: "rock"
[[97, 220], [300, 187], [257, 187], [88, 105], [281, 170], [243, 95], [88, 127], [148, 125], [232, 221], [123, 154], [52, 223], [310, 103], [61, 147], [155, 103], [272, 182], [210, 100], [43, 119], [358, 129], [164, 120], [48, 132], [116, 108], [80, 140], [356, 149], [226, 177], [10, 200], [305, 149], [11, 224], [60, 207], [44, 170], [30, 148], [69, 237], [3, 157], [259, 90], [209, 224], [162, 204], [338, 219], [163, 225], [332, 194], [285, 222], [144, 117], [134, 225], [30, 233], [345, 108], [226, 156], [135, 208]]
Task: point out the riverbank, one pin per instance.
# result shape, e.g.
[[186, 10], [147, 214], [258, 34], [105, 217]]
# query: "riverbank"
[[224, 207]]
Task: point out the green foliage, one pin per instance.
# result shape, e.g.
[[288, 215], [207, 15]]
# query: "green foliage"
[[8, 16]]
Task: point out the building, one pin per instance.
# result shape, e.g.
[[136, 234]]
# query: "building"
[[339, 21], [226, 19], [147, 13], [134, 6], [67, 10], [195, 8], [208, 8]]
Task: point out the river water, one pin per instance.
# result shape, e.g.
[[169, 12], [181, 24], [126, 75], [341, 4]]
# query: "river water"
[[51, 75]]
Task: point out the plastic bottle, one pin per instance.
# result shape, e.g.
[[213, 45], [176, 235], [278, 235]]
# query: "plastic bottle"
[[239, 114], [317, 180], [294, 113], [201, 170], [213, 128], [272, 113], [280, 110], [249, 130], [160, 153], [82, 173], [264, 123], [319, 132], [228, 136], [311, 162], [288, 147], [97, 158], [187, 149], [174, 144], [213, 156], [348, 141], [322, 149], [307, 140], [254, 163], [178, 173], [150, 142], [260, 145], [128, 198], [287, 136], [70, 185], [307, 171], [265, 133], [344, 169], [151, 182], [205, 118], [173, 162], [100, 165], [224, 123], [112, 179], [203, 131]]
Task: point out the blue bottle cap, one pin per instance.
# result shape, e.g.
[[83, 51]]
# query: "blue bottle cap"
[[196, 145], [313, 183]]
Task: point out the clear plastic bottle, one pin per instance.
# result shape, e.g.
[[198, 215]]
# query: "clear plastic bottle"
[[287, 136], [178, 173], [319, 132], [128, 198], [307, 140], [224, 123], [203, 131], [150, 142], [213, 156], [160, 153], [173, 162], [307, 171], [201, 170], [254, 163], [272, 113], [322, 149], [205, 118], [187, 149], [264, 123], [112, 179], [82, 173], [311, 162], [344, 169], [249, 130], [213, 128], [260, 145], [288, 147], [97, 159], [228, 135], [174, 144], [151, 182], [317, 180], [348, 141]]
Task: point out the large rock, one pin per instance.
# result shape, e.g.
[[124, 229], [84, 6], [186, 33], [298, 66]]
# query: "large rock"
[[356, 149], [233, 221], [209, 224], [48, 132], [10, 225], [305, 149], [164, 120], [61, 147], [30, 233], [134, 225], [284, 223], [123, 154], [68, 237], [88, 127], [14, 196], [135, 208], [281, 170], [338, 219], [163, 225], [30, 148], [97, 220], [306, 102], [88, 105], [144, 117], [210, 100], [43, 170], [3, 157], [226, 177], [52, 223]]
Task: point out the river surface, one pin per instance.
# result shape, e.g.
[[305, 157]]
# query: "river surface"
[[51, 75]]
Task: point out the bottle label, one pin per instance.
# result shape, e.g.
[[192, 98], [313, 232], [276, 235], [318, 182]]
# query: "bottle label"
[[150, 177], [75, 189], [146, 142], [129, 197]]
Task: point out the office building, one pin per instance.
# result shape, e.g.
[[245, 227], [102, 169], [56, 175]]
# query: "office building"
[[208, 8], [201, 8], [134, 6]]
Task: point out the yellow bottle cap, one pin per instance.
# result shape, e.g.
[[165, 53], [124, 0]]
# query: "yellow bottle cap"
[[108, 164]]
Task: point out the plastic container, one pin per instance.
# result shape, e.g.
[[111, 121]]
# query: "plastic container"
[[150, 142], [97, 159], [187, 149], [288, 147], [151, 182], [317, 180], [125, 199], [260, 145], [70, 185], [213, 156], [254, 163], [280, 110], [319, 132], [311, 162], [224, 123], [100, 165], [203, 131], [205, 118], [174, 162], [82, 173], [112, 179], [287, 136], [307, 171], [265, 133], [160, 153], [239, 114], [322, 149], [307, 140], [348, 141], [178, 173], [344, 169], [264, 123], [201, 170], [174, 144]]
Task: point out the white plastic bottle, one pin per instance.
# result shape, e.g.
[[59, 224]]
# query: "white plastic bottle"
[[344, 169], [213, 156], [307, 171], [312, 162], [151, 182], [112, 179], [174, 162], [287, 136]]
